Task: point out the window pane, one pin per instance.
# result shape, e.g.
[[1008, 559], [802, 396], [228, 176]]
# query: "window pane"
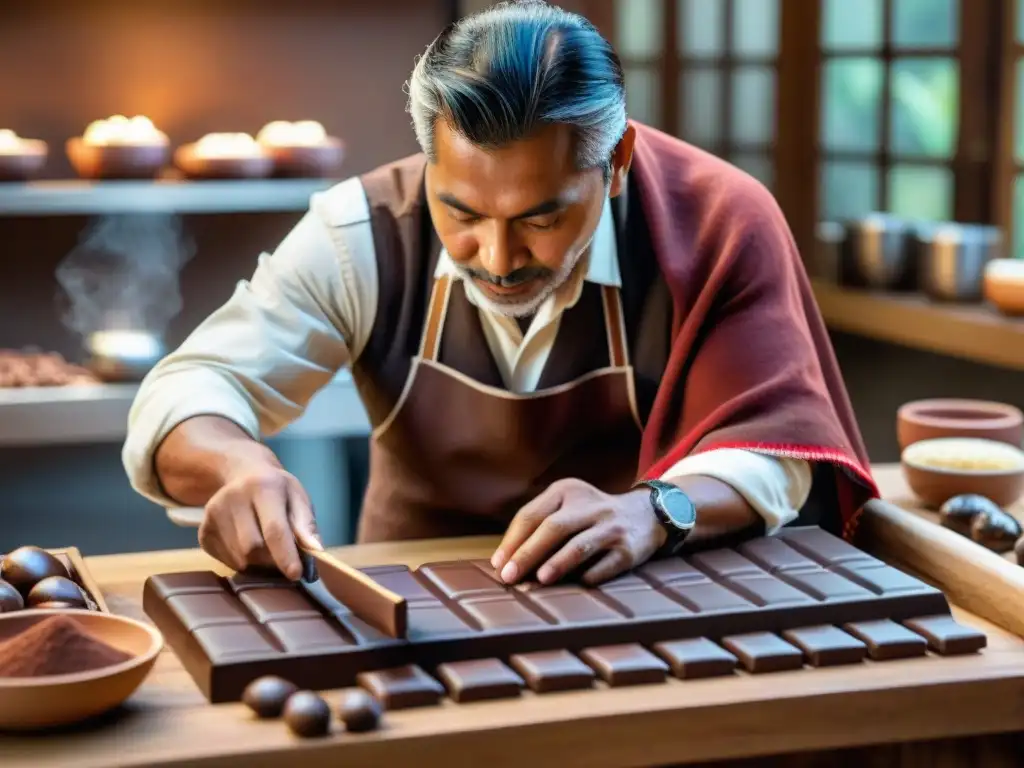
[[638, 28], [643, 90], [852, 24], [924, 107], [848, 190], [1018, 218], [701, 28], [851, 104], [753, 105], [924, 22], [921, 192], [1018, 125], [760, 167], [700, 106], [755, 27]]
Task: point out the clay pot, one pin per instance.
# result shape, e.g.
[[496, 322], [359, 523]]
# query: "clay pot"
[[930, 419], [197, 167], [1004, 286], [122, 161], [937, 470]]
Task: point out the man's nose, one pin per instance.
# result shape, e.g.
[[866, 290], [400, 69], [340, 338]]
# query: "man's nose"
[[496, 249]]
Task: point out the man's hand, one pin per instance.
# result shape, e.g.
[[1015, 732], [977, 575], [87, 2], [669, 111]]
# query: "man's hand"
[[571, 522], [256, 518]]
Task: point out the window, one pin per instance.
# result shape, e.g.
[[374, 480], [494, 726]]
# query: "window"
[[640, 42], [889, 125]]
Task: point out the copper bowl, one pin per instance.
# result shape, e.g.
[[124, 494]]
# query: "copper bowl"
[[32, 703], [939, 469], [311, 162], [24, 165], [197, 167], [117, 161], [1004, 286], [929, 419]]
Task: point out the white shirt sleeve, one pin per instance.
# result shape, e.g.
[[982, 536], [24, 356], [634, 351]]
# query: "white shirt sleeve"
[[775, 487], [281, 336]]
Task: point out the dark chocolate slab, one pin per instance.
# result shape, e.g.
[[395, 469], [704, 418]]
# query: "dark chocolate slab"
[[625, 664], [947, 636], [827, 646], [764, 652], [696, 658], [886, 640], [479, 680], [401, 687], [549, 671], [771, 586]]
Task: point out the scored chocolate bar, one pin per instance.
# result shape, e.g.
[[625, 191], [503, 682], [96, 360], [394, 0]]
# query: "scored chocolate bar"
[[229, 631]]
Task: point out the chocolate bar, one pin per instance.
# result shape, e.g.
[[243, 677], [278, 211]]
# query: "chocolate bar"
[[228, 632]]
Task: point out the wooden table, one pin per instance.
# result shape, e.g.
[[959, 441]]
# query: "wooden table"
[[744, 719]]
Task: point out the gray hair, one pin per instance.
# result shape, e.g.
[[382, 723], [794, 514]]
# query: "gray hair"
[[499, 75]]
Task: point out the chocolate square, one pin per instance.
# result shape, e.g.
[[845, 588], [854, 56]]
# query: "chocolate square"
[[309, 635], [886, 640], [645, 602], [760, 652], [401, 687], [826, 646], [548, 671], [479, 680], [625, 664], [696, 658], [946, 636]]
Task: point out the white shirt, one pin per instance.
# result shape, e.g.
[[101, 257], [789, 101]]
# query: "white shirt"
[[309, 310]]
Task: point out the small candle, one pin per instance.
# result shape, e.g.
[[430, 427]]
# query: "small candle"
[[227, 145], [281, 133], [119, 130], [13, 144]]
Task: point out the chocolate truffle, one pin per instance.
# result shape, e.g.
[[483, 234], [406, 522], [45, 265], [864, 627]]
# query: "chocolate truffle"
[[57, 589], [26, 566], [10, 598], [996, 530], [307, 714], [266, 696], [959, 512], [359, 711]]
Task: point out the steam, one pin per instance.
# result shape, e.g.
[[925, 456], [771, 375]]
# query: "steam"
[[123, 274]]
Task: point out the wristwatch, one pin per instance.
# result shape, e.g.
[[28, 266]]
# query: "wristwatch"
[[676, 512]]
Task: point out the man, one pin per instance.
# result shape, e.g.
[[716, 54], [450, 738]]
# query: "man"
[[565, 327]]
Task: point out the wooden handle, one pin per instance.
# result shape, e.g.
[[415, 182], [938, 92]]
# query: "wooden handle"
[[378, 606], [976, 579]]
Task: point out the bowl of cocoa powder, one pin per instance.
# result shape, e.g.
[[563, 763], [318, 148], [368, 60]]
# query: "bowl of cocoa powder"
[[63, 666]]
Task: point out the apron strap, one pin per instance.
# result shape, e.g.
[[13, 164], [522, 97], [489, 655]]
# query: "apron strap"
[[618, 354], [430, 346]]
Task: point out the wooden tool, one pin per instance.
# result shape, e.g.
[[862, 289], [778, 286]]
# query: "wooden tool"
[[377, 606]]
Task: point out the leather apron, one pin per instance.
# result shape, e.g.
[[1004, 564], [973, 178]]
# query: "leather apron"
[[457, 457]]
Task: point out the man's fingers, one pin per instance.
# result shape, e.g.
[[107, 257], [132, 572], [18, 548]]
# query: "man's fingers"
[[272, 513], [300, 510], [578, 550], [609, 566], [524, 524], [547, 536], [250, 547]]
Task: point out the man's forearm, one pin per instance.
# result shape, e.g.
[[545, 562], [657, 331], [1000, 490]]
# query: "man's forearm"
[[199, 455], [723, 513]]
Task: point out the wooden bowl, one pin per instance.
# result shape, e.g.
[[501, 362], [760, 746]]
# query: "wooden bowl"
[[1004, 286], [929, 419], [117, 161], [311, 162], [939, 469], [24, 165], [32, 703], [197, 167]]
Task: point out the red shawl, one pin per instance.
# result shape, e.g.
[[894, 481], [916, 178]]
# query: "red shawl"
[[747, 337]]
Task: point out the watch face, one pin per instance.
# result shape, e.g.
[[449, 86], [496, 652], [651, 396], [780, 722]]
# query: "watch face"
[[678, 507]]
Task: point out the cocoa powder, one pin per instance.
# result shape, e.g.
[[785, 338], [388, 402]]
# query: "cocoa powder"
[[57, 645]]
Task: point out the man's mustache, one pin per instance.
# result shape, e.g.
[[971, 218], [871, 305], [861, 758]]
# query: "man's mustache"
[[512, 279]]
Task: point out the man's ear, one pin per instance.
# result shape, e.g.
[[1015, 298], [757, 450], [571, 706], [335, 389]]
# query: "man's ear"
[[622, 158]]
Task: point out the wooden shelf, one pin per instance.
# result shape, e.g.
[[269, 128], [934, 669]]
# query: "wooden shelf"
[[65, 198], [971, 332]]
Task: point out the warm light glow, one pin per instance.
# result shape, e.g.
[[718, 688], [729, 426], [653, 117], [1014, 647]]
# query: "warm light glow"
[[12, 144], [227, 145], [281, 133], [120, 130]]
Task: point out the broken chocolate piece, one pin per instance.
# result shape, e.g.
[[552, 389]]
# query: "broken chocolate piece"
[[946, 636], [625, 664], [826, 646], [307, 714], [548, 671], [402, 687], [359, 711], [886, 640], [479, 680], [696, 658], [764, 652], [995, 530]]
